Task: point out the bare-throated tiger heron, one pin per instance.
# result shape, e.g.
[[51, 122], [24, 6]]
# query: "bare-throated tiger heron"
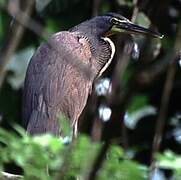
[[55, 83]]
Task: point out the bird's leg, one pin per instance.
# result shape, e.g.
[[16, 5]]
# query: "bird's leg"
[[75, 129]]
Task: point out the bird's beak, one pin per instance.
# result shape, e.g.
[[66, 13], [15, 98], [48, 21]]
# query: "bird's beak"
[[129, 27]]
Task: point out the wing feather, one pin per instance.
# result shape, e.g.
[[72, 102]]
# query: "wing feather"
[[53, 84]]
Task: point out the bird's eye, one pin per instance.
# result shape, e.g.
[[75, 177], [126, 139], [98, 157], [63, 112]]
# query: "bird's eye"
[[114, 21]]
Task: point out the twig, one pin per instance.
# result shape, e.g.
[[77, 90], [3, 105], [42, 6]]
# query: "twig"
[[118, 75], [13, 40], [97, 124], [165, 100], [96, 132], [135, 11], [151, 73], [95, 7], [30, 23], [122, 63], [17, 32], [8, 176]]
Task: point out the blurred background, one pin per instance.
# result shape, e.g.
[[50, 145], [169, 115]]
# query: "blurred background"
[[137, 101]]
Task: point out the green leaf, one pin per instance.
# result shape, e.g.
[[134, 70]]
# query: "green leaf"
[[131, 119], [47, 140], [51, 26], [84, 151], [115, 153], [117, 167], [169, 160], [143, 20], [137, 102]]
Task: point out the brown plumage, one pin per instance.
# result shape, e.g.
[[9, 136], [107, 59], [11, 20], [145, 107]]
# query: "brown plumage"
[[61, 72], [53, 85]]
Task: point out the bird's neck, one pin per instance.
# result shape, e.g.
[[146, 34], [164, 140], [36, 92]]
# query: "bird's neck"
[[103, 50], [110, 50]]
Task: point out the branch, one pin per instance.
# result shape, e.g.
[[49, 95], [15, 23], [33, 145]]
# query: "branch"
[[14, 37], [165, 99], [22, 20], [8, 176], [122, 59], [135, 10], [149, 74]]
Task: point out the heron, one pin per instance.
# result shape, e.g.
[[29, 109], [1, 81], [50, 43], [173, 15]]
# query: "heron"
[[62, 71]]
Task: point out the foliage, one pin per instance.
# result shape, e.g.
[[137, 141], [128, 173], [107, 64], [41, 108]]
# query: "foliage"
[[170, 160], [137, 102], [118, 167], [42, 157], [35, 155]]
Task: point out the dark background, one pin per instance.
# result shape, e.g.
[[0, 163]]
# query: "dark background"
[[144, 77]]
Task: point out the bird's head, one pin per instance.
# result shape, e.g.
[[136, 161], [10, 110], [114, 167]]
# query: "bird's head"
[[121, 24], [98, 29], [113, 23]]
